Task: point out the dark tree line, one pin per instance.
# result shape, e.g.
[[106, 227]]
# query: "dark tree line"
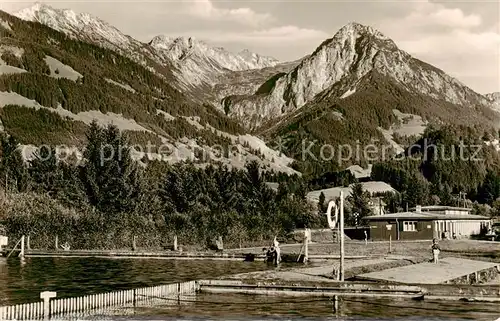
[[106, 198]]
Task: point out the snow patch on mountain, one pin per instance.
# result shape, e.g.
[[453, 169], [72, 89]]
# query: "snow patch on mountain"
[[87, 117], [177, 151], [270, 157], [60, 70], [78, 25], [167, 116], [388, 135], [124, 86], [409, 124], [338, 115], [5, 24], [348, 93], [194, 121], [6, 69], [17, 52]]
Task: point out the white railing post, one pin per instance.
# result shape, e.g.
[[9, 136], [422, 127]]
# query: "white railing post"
[[46, 296], [341, 236], [21, 254], [306, 246]]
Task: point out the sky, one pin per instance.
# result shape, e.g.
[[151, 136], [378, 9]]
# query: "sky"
[[460, 37]]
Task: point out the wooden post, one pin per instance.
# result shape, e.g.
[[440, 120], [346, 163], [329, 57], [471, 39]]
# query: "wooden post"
[[175, 242], [335, 304], [134, 245], [57, 242], [306, 247], [341, 226], [390, 243], [28, 245], [21, 254], [46, 296], [178, 293]]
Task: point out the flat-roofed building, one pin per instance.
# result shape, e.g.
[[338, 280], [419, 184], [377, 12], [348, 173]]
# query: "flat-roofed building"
[[427, 223]]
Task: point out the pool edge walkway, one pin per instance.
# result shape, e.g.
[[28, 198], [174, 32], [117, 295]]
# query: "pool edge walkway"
[[447, 270]]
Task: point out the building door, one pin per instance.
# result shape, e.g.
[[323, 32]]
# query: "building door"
[[389, 231]]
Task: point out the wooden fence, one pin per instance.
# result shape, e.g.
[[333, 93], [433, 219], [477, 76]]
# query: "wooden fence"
[[94, 303]]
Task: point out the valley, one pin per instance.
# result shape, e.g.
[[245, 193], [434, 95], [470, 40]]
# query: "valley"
[[191, 114]]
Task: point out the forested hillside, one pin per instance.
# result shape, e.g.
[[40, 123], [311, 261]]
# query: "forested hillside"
[[92, 91], [357, 119], [52, 86]]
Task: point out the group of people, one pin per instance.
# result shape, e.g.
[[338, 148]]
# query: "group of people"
[[273, 254]]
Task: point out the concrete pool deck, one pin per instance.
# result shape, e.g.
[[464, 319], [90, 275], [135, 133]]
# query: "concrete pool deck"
[[447, 270], [318, 273]]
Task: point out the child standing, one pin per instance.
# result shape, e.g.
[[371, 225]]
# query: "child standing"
[[435, 251]]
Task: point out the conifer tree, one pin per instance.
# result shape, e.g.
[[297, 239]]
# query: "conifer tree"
[[109, 176], [360, 201], [321, 203], [45, 173], [14, 172]]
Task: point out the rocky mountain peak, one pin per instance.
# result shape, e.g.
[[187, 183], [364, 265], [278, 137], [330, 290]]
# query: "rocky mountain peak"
[[167, 42], [354, 28], [494, 99], [199, 62], [180, 48], [357, 37], [78, 25], [353, 52], [493, 96]]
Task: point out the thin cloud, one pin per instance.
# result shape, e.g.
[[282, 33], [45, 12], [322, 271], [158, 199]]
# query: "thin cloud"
[[431, 14], [452, 40], [205, 9], [277, 36]]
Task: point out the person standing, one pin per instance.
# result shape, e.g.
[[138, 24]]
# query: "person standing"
[[277, 251], [435, 251]]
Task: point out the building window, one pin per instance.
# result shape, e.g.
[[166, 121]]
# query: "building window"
[[409, 226]]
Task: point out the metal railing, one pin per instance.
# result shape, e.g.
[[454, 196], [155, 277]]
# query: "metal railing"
[[87, 304]]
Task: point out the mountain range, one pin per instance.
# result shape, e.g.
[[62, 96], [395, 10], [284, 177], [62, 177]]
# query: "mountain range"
[[192, 61], [356, 86]]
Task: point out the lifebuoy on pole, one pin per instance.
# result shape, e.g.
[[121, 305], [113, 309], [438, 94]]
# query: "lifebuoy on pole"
[[332, 223]]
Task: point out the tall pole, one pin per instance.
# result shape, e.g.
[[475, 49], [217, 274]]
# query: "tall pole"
[[21, 254], [341, 219], [338, 222]]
